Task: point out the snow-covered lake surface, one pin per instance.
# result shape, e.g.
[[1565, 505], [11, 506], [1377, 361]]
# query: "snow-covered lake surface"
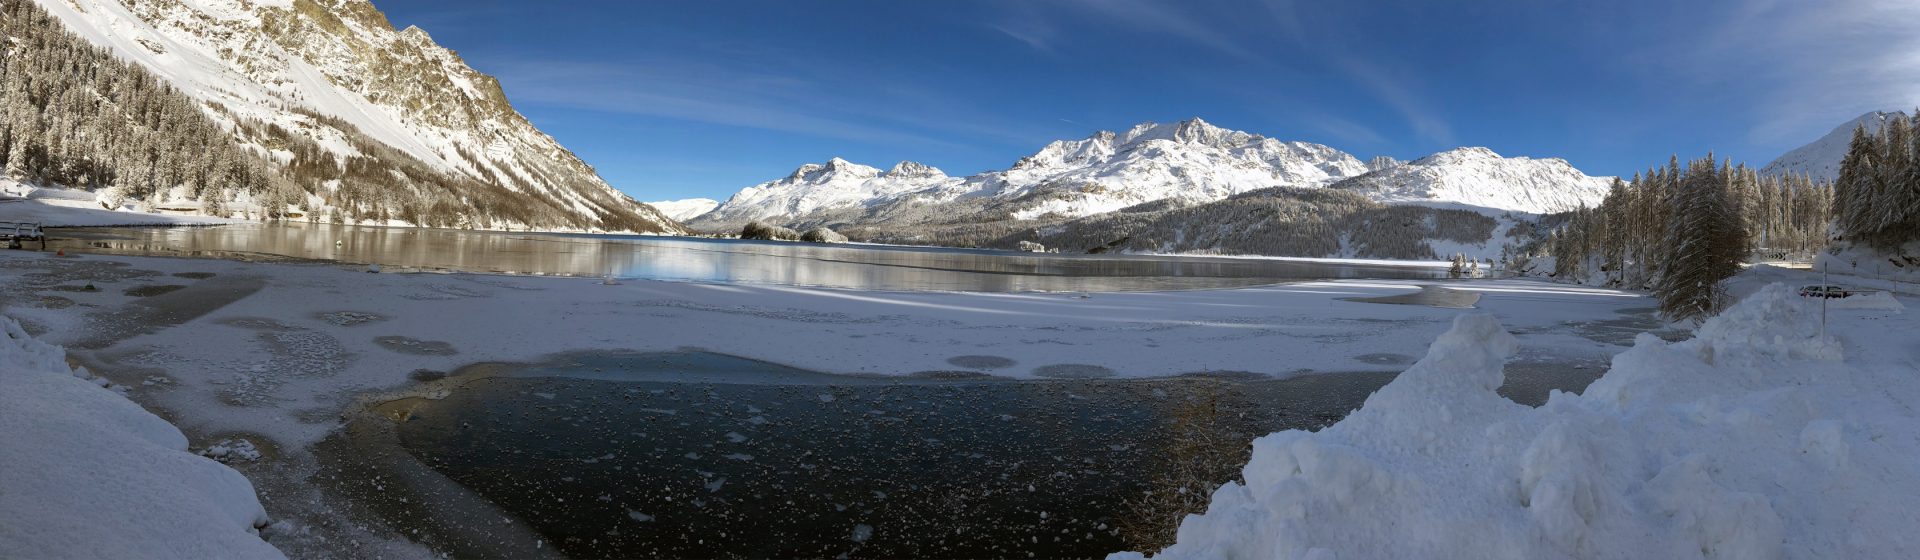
[[865, 267], [267, 356]]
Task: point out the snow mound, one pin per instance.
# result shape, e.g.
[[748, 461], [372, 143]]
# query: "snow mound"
[[89, 474], [1753, 440]]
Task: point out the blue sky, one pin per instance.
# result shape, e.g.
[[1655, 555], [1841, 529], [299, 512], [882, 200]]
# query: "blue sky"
[[681, 99]]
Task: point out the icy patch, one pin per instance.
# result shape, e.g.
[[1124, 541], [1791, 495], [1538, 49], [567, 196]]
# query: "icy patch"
[[349, 318], [232, 450]]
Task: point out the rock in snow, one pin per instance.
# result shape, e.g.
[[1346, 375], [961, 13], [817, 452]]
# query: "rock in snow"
[[86, 473], [1752, 440]]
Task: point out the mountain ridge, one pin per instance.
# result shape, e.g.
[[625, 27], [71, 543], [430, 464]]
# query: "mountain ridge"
[[1184, 163]]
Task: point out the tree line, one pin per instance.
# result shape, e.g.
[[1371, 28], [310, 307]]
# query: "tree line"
[[1682, 229]]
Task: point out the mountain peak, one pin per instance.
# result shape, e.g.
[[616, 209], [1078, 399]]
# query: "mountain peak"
[[1190, 131], [833, 169], [1461, 153], [912, 169]]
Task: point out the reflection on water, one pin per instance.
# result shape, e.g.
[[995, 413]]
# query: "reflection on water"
[[711, 260]]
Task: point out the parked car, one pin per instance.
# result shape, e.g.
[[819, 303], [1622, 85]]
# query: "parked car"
[[1828, 291]]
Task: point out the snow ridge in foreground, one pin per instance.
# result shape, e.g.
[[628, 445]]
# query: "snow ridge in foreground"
[[86, 473], [1753, 440]]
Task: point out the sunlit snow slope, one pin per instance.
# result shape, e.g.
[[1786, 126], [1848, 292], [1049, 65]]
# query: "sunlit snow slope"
[[1821, 158]]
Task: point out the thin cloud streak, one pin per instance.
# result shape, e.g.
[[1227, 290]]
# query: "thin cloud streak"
[[1826, 61], [763, 98], [1426, 123]]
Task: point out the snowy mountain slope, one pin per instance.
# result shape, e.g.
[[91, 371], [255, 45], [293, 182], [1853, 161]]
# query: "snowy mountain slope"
[[685, 209], [816, 187], [1477, 177], [334, 69], [1189, 162], [1821, 158]]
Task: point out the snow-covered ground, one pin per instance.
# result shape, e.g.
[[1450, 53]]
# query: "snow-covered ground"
[[1761, 437], [53, 207], [86, 473]]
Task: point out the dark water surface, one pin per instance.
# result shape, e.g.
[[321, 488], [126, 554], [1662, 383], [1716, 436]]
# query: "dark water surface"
[[711, 260], [602, 457]]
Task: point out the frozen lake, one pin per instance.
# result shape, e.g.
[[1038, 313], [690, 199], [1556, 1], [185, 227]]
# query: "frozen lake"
[[695, 455], [867, 267]]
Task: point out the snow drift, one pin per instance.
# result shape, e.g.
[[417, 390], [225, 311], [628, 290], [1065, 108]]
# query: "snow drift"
[[1754, 440], [86, 473]]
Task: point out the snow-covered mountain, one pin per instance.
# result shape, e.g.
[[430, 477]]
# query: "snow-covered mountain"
[[1479, 178], [1821, 159], [1188, 162], [334, 71], [837, 184], [685, 209]]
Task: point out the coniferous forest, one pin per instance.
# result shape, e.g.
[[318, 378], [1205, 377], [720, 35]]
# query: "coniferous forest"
[[1680, 230], [74, 115]]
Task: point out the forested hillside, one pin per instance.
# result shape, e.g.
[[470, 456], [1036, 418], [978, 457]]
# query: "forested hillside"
[[1304, 222], [75, 115]]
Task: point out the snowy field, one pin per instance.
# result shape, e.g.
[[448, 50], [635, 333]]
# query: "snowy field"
[[53, 207]]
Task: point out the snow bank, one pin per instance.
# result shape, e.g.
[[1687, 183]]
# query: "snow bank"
[[86, 473], [1872, 300], [1754, 440]]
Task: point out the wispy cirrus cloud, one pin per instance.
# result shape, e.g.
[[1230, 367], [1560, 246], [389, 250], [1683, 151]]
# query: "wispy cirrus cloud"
[[1037, 23], [1816, 63], [765, 94], [1394, 90]]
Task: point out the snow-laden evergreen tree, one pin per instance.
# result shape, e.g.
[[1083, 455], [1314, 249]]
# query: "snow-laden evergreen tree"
[[1877, 197], [1707, 236]]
